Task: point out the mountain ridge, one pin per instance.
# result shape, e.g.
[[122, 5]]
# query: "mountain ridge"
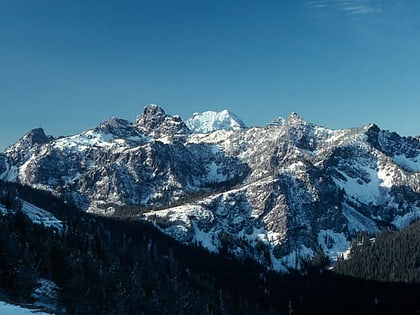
[[274, 194]]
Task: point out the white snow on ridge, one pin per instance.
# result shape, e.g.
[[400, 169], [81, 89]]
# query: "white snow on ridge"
[[210, 121], [93, 138], [410, 164], [84, 141], [41, 216]]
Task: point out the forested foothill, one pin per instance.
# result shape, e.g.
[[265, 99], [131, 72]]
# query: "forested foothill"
[[108, 266]]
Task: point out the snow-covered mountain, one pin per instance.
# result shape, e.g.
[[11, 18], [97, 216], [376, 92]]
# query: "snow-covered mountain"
[[276, 193], [210, 121]]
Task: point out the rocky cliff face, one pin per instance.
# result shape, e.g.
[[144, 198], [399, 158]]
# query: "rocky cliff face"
[[276, 193]]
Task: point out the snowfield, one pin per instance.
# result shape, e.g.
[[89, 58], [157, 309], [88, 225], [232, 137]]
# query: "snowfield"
[[10, 309], [41, 216]]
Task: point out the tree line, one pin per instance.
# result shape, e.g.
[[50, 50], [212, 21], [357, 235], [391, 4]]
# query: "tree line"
[[109, 266]]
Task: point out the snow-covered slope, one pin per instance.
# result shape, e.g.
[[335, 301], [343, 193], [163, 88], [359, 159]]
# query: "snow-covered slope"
[[35, 214], [10, 309], [41, 216], [210, 121], [276, 194]]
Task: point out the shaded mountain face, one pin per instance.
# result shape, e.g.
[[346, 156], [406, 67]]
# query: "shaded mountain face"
[[276, 194]]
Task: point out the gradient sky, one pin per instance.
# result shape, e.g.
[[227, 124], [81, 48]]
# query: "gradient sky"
[[68, 65]]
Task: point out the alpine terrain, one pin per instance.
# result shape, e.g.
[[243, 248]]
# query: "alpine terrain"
[[278, 194]]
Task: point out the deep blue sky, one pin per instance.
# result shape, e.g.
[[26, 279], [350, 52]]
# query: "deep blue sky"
[[67, 65]]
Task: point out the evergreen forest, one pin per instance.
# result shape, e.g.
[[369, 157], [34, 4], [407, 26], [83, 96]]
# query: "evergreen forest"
[[116, 266]]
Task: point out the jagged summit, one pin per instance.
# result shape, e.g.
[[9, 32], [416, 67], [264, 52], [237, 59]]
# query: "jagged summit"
[[152, 117], [118, 128], [293, 119], [156, 123], [210, 121], [113, 123], [271, 194], [36, 136], [33, 137], [296, 119]]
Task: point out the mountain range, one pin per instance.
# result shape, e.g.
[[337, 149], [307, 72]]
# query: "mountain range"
[[277, 194]]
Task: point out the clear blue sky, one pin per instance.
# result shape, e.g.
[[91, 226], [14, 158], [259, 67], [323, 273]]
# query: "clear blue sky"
[[67, 65]]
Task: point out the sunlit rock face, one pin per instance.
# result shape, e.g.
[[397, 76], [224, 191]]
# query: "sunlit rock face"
[[276, 194]]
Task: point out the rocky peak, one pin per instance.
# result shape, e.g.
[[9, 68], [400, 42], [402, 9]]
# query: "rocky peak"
[[295, 119], [114, 122], [37, 136], [30, 141], [372, 133], [34, 137], [372, 129], [151, 118], [156, 123], [210, 121], [292, 189], [119, 128]]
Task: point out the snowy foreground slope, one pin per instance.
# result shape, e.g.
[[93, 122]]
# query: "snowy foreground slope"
[[10, 309], [277, 193]]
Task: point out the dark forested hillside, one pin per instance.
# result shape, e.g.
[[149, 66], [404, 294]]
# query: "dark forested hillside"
[[389, 256], [101, 266], [107, 266]]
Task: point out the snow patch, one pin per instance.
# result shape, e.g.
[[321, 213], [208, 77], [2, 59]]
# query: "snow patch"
[[41, 216], [401, 222], [96, 138], [214, 173], [385, 175], [293, 260], [298, 167], [366, 192], [10, 309], [204, 239], [409, 164], [358, 222], [333, 244]]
